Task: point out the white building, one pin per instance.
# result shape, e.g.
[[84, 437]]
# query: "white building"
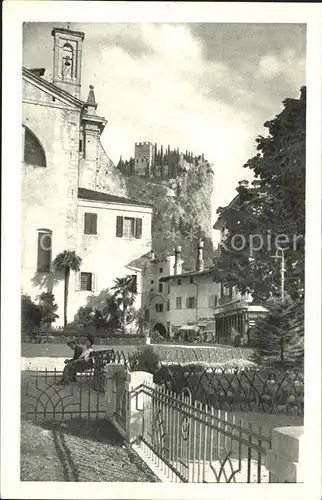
[[182, 300], [73, 196]]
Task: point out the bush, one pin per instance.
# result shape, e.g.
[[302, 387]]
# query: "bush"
[[145, 359], [30, 315], [48, 309], [156, 336]]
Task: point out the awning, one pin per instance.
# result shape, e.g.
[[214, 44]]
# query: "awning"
[[190, 328]]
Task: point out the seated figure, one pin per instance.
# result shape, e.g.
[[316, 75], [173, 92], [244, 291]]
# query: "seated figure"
[[83, 362]]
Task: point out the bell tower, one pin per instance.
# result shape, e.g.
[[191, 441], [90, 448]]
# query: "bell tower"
[[68, 59]]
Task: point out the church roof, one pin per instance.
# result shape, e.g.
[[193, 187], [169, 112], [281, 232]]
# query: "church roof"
[[88, 194], [51, 87]]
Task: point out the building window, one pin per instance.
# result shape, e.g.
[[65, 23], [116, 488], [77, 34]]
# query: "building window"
[[179, 302], [191, 280], [90, 223], [86, 281], [191, 302], [44, 251], [213, 300], [160, 287], [161, 270], [34, 153], [169, 287], [152, 282], [168, 305], [159, 308], [128, 227], [179, 282]]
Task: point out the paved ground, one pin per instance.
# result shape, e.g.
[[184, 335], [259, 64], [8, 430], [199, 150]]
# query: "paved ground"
[[72, 452], [63, 351]]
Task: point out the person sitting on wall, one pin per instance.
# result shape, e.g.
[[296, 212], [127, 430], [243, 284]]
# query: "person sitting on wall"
[[82, 363], [78, 349]]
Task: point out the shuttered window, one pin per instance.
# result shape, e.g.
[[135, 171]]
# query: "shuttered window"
[[44, 251], [90, 223], [213, 300], [128, 227], [86, 282], [138, 228], [119, 226], [179, 302], [190, 302]]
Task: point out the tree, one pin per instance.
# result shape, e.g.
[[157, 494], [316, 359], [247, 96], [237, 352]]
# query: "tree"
[[142, 320], [125, 292], [65, 262], [30, 315], [279, 336], [90, 317], [48, 309], [271, 214]]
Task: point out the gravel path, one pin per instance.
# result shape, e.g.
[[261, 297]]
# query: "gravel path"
[[73, 452]]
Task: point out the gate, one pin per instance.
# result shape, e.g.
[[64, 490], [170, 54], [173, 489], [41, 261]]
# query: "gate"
[[43, 399], [197, 443]]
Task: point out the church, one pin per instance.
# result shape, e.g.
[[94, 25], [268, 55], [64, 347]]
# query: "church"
[[73, 196]]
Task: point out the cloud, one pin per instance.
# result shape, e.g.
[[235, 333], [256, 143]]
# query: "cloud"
[[286, 65], [171, 84]]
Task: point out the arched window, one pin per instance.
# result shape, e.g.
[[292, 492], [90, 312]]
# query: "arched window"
[[33, 151], [44, 250], [68, 62]]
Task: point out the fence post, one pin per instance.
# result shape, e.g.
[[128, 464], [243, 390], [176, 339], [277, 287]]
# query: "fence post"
[[284, 460], [137, 402], [112, 370]]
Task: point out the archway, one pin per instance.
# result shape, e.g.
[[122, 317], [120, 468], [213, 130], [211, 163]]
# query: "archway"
[[34, 153], [159, 327]]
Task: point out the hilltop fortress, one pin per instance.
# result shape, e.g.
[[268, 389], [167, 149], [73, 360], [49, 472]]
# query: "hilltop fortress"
[[179, 185]]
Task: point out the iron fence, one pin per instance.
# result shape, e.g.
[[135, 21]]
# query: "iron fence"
[[193, 442], [259, 390], [44, 399]]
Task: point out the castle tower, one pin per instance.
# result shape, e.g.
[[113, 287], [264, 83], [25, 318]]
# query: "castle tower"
[[68, 59], [144, 156]]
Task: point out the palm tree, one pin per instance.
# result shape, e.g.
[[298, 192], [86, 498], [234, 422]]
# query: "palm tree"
[[65, 262], [125, 292]]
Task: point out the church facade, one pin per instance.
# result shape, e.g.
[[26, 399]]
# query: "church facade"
[[73, 196]]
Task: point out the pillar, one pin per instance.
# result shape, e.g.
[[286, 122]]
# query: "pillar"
[[284, 460]]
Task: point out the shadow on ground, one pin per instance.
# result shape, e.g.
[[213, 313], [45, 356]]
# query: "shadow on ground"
[[78, 450]]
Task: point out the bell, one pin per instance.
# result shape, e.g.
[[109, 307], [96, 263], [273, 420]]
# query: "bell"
[[67, 61]]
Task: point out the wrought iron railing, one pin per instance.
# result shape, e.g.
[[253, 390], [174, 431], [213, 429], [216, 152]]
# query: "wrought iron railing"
[[261, 390], [44, 398], [193, 442]]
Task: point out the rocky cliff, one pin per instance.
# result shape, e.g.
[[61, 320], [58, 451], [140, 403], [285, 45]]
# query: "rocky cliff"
[[182, 208]]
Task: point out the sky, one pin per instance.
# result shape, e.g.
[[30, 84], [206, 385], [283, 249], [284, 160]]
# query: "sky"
[[208, 88]]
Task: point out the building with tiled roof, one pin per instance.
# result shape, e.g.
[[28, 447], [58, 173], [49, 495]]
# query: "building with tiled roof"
[[73, 196]]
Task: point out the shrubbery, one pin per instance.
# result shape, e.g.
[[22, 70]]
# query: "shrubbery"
[[35, 317], [144, 359]]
